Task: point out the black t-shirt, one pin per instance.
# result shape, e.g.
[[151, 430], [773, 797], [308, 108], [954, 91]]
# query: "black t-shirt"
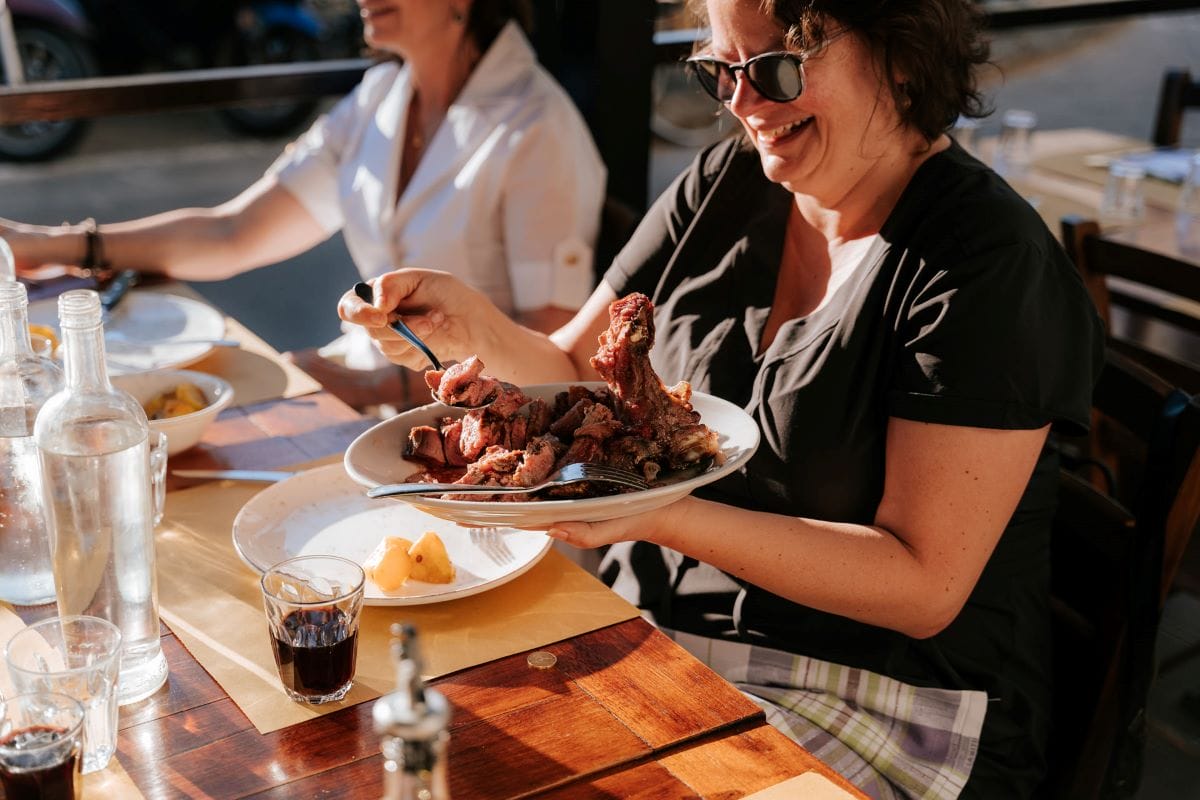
[[964, 311]]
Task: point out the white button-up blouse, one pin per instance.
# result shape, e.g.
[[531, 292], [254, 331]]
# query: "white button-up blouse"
[[507, 196]]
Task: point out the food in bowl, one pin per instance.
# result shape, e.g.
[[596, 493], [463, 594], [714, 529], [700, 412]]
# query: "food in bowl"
[[397, 560], [186, 398], [635, 422], [183, 429]]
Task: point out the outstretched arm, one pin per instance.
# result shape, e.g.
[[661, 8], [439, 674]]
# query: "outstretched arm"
[[262, 225]]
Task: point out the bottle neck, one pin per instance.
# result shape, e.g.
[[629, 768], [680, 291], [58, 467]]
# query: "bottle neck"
[[83, 358], [14, 332]]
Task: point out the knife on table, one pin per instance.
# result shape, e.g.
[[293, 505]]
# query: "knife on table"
[[261, 475], [117, 288]]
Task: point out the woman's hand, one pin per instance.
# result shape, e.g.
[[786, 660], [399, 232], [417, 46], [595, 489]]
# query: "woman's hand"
[[456, 322], [35, 246], [446, 313], [648, 526]]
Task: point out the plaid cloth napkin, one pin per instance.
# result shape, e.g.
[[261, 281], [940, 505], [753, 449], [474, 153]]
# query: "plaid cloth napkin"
[[889, 739]]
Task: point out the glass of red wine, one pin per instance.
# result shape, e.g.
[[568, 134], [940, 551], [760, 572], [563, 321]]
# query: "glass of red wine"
[[313, 605], [41, 744]]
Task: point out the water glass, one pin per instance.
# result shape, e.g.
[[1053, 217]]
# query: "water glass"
[[1124, 200], [41, 737], [78, 657], [1014, 150], [313, 605], [158, 474], [1187, 214]]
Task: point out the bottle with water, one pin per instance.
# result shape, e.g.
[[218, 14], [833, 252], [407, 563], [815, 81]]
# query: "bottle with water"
[[27, 380], [94, 446]]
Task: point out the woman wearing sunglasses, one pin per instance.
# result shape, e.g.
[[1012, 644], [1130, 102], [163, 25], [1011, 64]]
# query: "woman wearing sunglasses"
[[906, 332]]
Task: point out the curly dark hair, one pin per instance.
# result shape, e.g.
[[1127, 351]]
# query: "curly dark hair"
[[487, 17], [927, 50]]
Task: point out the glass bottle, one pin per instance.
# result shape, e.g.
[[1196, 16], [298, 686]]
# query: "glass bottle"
[[27, 380], [413, 723], [93, 441]]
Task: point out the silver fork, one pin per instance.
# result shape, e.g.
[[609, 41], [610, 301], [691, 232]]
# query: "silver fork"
[[571, 473], [491, 542]]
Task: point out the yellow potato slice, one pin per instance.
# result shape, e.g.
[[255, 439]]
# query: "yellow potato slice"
[[431, 563], [389, 564]]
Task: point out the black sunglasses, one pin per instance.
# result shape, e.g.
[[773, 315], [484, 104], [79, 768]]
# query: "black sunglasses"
[[777, 76]]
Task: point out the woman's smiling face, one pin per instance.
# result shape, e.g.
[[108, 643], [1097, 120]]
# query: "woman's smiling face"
[[822, 142]]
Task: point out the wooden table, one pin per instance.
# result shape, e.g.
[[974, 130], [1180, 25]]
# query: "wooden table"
[[1056, 191], [624, 712]]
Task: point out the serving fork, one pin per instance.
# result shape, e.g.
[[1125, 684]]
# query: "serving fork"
[[571, 473]]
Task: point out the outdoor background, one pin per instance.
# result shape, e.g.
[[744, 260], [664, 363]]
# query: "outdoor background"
[[1103, 75]]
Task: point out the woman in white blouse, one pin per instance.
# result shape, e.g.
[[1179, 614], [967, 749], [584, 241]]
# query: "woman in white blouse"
[[467, 157]]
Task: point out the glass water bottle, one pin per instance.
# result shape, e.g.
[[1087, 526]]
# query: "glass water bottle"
[[94, 447], [26, 382]]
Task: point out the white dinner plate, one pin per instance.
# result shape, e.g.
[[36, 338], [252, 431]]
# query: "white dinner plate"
[[149, 330], [376, 457], [323, 512]]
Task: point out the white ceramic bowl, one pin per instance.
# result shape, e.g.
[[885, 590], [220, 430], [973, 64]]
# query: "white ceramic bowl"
[[185, 430]]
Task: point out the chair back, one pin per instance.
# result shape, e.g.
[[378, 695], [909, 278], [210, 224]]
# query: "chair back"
[[1177, 94], [1150, 302], [1115, 546]]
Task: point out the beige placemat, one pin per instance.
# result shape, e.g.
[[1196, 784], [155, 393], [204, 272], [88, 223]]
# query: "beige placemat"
[[809, 786], [112, 781], [211, 601], [256, 370]]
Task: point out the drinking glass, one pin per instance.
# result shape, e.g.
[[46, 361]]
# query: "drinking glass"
[[158, 473], [78, 657], [1124, 200], [42, 345], [313, 605], [1014, 150], [41, 736], [1187, 214]]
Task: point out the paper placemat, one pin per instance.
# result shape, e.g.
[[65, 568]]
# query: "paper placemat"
[[256, 370], [112, 781], [810, 786], [212, 602]]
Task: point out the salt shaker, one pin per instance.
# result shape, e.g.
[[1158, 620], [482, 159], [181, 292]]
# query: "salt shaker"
[[413, 723], [1187, 213], [27, 380], [93, 440]]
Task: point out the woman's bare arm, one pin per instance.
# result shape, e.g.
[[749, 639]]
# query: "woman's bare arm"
[[949, 493], [262, 225]]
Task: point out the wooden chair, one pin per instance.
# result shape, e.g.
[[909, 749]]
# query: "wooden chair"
[[1177, 93], [1149, 290], [1113, 553]]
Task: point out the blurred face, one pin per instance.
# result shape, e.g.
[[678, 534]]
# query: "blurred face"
[[401, 26], [824, 141]]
